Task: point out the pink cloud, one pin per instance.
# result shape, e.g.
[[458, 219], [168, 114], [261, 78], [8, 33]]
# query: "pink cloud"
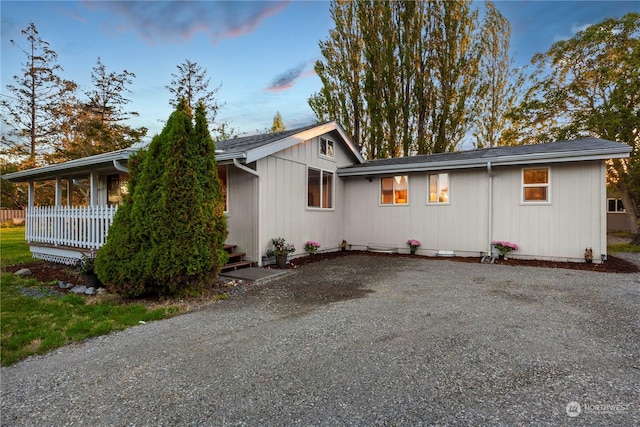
[[179, 21]]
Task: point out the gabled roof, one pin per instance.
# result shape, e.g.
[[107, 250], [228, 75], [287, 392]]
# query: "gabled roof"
[[248, 148], [255, 147], [551, 152]]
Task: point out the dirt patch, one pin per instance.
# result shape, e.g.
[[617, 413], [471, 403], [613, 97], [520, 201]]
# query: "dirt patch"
[[612, 265], [316, 287]]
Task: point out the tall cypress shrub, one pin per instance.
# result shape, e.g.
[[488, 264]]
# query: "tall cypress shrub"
[[176, 222]]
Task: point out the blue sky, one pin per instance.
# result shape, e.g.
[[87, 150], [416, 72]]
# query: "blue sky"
[[262, 53]]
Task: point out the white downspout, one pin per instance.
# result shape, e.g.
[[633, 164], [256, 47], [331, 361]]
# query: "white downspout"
[[242, 167], [490, 211]]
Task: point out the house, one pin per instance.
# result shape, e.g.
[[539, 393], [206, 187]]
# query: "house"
[[311, 183]]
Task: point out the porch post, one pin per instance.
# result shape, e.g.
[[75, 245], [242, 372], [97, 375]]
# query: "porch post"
[[69, 194], [31, 195], [58, 200], [93, 188]]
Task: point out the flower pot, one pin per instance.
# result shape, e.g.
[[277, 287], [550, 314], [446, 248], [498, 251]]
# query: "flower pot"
[[281, 261], [91, 280], [413, 251]]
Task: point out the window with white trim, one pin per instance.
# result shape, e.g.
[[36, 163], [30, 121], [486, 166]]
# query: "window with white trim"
[[319, 189], [536, 185], [615, 205], [326, 148], [394, 190], [439, 188]]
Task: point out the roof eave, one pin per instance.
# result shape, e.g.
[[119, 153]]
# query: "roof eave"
[[72, 166], [537, 158]]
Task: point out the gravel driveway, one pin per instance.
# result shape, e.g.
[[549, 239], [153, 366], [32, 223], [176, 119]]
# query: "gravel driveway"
[[364, 341]]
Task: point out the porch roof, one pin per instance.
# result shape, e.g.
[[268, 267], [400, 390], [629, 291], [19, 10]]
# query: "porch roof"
[[101, 163], [551, 152]]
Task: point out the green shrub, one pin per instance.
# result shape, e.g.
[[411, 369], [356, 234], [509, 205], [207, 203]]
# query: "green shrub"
[[168, 237]]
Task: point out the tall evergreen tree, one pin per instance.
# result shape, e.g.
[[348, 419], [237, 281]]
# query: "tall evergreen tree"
[[278, 125], [97, 125], [174, 226], [500, 83], [33, 111], [403, 77]]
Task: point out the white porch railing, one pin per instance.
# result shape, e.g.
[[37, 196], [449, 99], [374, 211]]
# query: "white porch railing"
[[78, 227]]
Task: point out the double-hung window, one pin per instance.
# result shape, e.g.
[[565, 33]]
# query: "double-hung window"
[[439, 188], [394, 190], [535, 185], [319, 189]]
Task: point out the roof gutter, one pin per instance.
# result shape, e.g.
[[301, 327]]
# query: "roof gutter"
[[495, 161]]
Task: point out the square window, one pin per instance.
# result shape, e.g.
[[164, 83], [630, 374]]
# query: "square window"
[[326, 147], [394, 190]]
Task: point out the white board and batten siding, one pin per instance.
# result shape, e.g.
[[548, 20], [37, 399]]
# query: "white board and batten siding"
[[574, 219], [459, 226], [242, 211], [284, 197]]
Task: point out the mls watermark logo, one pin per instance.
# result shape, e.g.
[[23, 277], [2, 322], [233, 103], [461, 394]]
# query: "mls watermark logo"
[[573, 409]]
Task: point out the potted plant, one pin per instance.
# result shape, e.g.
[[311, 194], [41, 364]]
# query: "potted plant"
[[281, 249], [413, 245], [311, 247], [588, 255], [87, 269], [504, 247]]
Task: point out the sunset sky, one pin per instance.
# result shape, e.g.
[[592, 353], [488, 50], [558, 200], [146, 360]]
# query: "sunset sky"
[[262, 53]]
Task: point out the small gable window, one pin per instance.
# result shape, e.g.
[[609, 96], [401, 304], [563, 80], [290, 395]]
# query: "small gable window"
[[394, 190], [439, 188], [326, 148], [535, 185]]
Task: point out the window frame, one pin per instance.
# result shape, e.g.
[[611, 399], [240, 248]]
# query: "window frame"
[[393, 179], [546, 185], [618, 202], [438, 189], [333, 189], [328, 143]]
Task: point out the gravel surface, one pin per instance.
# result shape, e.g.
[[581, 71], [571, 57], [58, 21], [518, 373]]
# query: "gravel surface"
[[360, 341]]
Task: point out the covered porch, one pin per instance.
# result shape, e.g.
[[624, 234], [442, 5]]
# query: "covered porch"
[[86, 196]]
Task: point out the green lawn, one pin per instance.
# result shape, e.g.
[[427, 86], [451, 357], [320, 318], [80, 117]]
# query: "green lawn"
[[34, 319], [13, 247]]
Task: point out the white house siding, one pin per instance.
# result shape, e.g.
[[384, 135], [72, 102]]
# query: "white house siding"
[[284, 198], [574, 220], [460, 226], [242, 211]]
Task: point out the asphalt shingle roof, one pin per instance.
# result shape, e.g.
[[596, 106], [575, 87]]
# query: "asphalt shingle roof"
[[247, 143], [495, 153]]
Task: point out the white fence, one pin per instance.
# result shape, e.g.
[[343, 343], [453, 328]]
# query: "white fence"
[[78, 227]]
